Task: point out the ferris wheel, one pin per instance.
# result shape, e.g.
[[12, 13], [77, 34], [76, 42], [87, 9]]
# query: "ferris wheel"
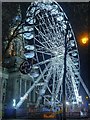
[[47, 26]]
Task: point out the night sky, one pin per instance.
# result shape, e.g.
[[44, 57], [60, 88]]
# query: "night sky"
[[78, 15]]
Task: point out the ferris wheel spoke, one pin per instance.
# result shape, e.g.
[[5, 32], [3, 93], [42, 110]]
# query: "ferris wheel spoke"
[[54, 75], [42, 44], [55, 25], [43, 90], [42, 35], [47, 27], [60, 78], [49, 89], [41, 48], [48, 60], [39, 65], [50, 24], [43, 52], [43, 62], [53, 85], [45, 39], [45, 43], [50, 37], [38, 47], [46, 98]]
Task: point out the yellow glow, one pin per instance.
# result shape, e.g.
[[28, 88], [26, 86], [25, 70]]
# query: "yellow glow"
[[84, 40], [86, 97]]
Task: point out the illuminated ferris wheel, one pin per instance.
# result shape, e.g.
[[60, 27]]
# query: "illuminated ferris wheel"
[[48, 27]]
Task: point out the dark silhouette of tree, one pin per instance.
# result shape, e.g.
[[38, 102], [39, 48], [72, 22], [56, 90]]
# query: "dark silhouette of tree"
[[13, 17]]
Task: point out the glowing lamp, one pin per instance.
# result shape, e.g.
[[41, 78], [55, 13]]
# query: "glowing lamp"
[[84, 40], [67, 103], [86, 97]]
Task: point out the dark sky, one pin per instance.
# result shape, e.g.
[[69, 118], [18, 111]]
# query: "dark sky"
[[78, 17]]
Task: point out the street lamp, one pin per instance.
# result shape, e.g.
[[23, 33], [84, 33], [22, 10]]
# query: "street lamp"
[[84, 40], [87, 97]]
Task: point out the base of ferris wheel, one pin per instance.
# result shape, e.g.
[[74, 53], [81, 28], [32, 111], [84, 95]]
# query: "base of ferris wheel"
[[46, 116], [43, 112]]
